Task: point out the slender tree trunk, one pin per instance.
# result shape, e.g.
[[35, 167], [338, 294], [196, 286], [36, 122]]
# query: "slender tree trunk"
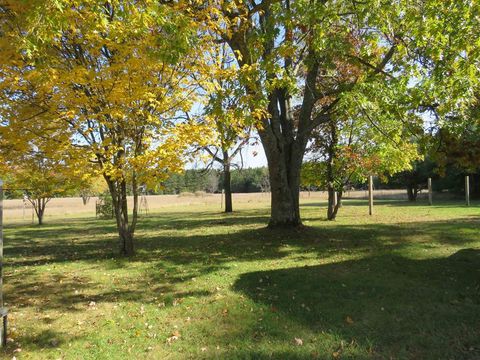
[[40, 211], [331, 203], [227, 183], [118, 191], [39, 206], [332, 152], [334, 206]]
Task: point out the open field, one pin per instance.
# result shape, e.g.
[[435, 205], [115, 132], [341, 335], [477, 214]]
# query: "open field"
[[17, 211], [402, 284]]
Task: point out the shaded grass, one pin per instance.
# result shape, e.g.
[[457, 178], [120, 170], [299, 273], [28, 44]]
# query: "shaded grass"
[[403, 284]]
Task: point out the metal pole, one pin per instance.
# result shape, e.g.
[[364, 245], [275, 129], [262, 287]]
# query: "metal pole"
[[1, 244], [3, 311], [467, 190], [370, 195], [430, 197]]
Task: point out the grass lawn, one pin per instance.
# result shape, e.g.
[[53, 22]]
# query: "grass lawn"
[[402, 284]]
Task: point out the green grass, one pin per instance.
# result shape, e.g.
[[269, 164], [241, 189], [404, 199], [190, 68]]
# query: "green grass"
[[402, 284]]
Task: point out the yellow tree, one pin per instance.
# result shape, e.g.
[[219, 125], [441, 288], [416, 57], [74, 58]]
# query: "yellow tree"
[[40, 179], [110, 77], [36, 169]]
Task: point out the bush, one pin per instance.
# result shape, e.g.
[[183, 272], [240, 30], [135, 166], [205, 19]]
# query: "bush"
[[104, 206]]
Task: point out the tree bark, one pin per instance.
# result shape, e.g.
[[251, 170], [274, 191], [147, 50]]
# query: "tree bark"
[[284, 167], [227, 183], [332, 154], [332, 205], [39, 206], [126, 230], [412, 192]]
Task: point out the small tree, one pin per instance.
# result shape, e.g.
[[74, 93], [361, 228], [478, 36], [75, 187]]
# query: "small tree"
[[351, 150], [415, 179], [228, 112], [41, 179]]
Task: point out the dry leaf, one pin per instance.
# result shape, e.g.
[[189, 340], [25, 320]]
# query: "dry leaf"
[[175, 336], [349, 320], [298, 341], [172, 339]]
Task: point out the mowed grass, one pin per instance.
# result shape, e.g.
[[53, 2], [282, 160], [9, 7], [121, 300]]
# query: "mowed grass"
[[402, 284]]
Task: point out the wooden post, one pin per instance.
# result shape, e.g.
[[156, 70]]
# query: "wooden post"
[[430, 198], [467, 190], [3, 311], [370, 195]]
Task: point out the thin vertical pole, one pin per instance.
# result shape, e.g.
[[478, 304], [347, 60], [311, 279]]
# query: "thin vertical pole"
[[335, 199], [1, 244], [430, 197], [370, 195], [3, 312], [467, 190]]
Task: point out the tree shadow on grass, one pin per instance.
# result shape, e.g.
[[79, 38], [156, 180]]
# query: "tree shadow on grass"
[[408, 309], [183, 256], [46, 339], [163, 240]]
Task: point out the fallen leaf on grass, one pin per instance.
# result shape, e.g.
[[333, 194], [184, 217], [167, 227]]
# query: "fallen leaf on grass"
[[175, 336], [298, 342], [349, 320]]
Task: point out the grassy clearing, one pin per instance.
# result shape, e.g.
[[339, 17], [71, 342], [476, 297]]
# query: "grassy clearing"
[[403, 284]]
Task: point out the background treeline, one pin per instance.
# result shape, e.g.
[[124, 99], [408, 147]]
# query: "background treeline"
[[450, 179], [194, 180], [256, 180]]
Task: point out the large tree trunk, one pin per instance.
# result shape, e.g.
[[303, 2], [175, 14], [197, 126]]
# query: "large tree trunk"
[[412, 192], [227, 183], [284, 165]]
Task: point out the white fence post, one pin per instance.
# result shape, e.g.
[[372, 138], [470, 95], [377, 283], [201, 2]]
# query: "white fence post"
[[430, 202], [370, 195], [467, 190], [3, 311]]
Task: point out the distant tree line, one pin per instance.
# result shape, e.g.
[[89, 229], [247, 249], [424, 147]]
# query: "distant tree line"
[[211, 181], [448, 179]]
